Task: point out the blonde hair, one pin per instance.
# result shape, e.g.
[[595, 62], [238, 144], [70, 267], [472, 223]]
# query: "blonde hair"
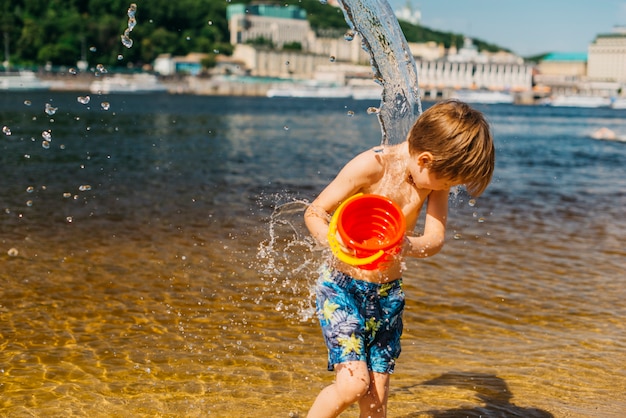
[[460, 141]]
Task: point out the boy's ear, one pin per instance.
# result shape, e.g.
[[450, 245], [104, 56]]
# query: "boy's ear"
[[424, 159]]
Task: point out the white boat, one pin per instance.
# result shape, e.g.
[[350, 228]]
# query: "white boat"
[[367, 93], [22, 80], [314, 90], [619, 103], [484, 96], [606, 134], [579, 101], [135, 83]]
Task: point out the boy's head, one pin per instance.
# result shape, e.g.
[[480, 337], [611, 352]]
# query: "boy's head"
[[459, 139]]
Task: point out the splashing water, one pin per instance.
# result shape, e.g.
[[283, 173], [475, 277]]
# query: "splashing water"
[[286, 259], [132, 22], [392, 62]]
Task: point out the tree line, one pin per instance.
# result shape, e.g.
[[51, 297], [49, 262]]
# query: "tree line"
[[62, 32]]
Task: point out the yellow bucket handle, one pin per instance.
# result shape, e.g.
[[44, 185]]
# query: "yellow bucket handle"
[[336, 247]]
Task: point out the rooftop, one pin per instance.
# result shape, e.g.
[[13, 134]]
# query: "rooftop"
[[566, 56]]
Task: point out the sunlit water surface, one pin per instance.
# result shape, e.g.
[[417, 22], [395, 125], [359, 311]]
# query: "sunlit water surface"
[[155, 263]]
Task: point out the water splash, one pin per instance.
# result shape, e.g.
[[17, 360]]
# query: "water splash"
[[287, 260], [50, 110], [392, 62], [132, 22]]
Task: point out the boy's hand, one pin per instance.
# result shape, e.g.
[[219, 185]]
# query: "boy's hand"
[[343, 247]]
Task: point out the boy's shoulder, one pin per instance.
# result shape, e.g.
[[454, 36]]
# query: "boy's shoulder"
[[375, 162]]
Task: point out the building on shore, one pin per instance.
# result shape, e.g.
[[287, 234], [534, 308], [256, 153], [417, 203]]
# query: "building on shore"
[[607, 57], [261, 33], [439, 70]]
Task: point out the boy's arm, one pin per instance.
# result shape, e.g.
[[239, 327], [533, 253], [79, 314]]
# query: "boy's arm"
[[364, 169], [432, 240]]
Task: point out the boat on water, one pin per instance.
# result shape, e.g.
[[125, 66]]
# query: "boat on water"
[[367, 93], [22, 81], [577, 100], [484, 96], [619, 103], [310, 90], [326, 91], [606, 134], [134, 83]]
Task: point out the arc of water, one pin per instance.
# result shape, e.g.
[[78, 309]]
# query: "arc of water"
[[392, 62]]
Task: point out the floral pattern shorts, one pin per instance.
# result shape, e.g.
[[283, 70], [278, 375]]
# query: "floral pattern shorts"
[[361, 321]]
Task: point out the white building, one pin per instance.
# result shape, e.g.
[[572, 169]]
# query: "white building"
[[408, 14], [278, 25], [441, 74], [607, 57]]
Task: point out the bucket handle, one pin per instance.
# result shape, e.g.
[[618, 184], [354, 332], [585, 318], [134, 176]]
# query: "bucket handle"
[[336, 248]]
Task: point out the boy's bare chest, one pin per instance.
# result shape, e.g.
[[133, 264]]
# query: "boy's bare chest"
[[406, 195]]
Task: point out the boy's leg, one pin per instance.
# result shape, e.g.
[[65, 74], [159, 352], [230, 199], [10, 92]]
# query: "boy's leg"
[[374, 403], [352, 381]]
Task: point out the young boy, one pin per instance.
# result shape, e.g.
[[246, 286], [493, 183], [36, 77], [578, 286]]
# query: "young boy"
[[360, 311]]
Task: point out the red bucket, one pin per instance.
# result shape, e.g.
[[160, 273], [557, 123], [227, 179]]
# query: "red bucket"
[[371, 224]]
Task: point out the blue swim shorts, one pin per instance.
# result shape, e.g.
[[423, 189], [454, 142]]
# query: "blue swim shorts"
[[361, 321]]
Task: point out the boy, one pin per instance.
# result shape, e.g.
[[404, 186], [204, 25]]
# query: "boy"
[[360, 311]]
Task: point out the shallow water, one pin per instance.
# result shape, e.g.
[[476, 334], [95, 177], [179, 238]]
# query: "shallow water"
[[171, 286]]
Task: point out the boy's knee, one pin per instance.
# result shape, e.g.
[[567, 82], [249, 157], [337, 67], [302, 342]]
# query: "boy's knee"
[[354, 389], [353, 383]]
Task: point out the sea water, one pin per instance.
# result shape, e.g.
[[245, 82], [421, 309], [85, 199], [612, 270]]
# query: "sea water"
[[159, 289]]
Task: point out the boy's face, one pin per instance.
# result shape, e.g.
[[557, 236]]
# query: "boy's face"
[[424, 178]]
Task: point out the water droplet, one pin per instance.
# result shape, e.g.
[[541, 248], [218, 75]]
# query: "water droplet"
[[457, 236], [105, 105], [372, 110], [67, 195], [210, 22], [46, 135], [120, 57], [472, 202], [6, 130], [481, 220], [349, 36], [13, 252], [51, 110], [84, 188], [30, 189], [132, 9], [93, 49], [132, 22], [286, 62], [100, 69], [69, 219], [29, 203], [27, 102], [286, 127], [83, 99], [332, 58], [73, 71], [126, 41], [45, 144], [188, 38], [350, 112]]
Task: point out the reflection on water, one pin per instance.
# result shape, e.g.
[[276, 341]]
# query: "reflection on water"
[[182, 285]]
